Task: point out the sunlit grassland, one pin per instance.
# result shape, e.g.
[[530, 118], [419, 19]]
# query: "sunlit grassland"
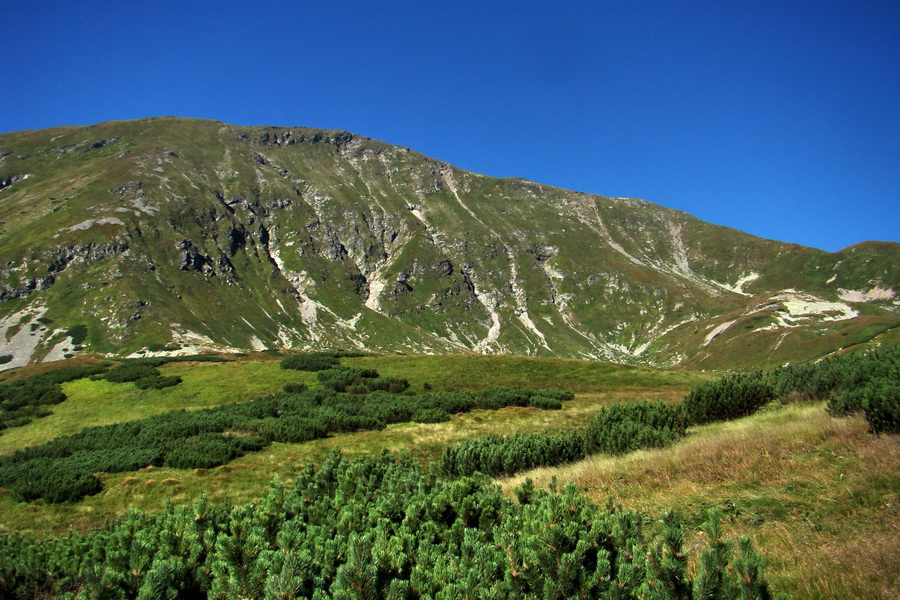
[[91, 403], [209, 384], [244, 478], [819, 495]]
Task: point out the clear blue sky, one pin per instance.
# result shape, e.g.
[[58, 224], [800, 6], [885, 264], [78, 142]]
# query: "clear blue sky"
[[781, 119]]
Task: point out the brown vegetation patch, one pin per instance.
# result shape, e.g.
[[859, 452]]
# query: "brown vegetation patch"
[[819, 495]]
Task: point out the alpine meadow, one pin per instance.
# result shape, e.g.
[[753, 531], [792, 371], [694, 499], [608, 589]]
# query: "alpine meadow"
[[284, 362]]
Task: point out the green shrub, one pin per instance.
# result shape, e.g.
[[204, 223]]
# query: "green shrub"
[[450, 402], [545, 403], [883, 411], [57, 486], [214, 436], [878, 400], [308, 362], [130, 372], [342, 378], [430, 415], [499, 456], [294, 388], [382, 527], [207, 450], [622, 428], [19, 400], [78, 333], [728, 398], [495, 397]]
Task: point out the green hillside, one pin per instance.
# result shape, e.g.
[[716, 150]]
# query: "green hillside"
[[174, 235]]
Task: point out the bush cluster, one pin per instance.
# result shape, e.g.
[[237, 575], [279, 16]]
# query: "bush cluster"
[[504, 455], [867, 383], [143, 374], [613, 430], [382, 528], [623, 428], [359, 381], [309, 362], [493, 397], [728, 398], [28, 398], [864, 382]]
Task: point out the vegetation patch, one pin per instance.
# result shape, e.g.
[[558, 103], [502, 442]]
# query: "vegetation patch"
[[211, 437], [78, 333], [866, 382], [818, 494], [616, 429], [144, 375], [26, 399], [309, 362]]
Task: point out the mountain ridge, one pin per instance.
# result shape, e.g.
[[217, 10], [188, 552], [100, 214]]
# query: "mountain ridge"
[[143, 234]]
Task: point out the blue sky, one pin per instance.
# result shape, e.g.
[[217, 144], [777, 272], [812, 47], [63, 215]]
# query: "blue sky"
[[781, 119]]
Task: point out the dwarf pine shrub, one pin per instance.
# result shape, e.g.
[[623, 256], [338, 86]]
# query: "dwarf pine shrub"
[[381, 528]]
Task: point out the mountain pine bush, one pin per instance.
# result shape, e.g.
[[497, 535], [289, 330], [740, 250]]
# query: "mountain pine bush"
[[728, 398], [504, 455], [309, 362], [380, 528], [622, 428], [864, 382]]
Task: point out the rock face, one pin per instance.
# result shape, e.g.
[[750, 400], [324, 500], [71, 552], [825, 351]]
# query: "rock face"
[[165, 232]]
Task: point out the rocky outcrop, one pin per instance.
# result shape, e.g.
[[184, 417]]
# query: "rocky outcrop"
[[7, 181], [52, 263], [192, 259]]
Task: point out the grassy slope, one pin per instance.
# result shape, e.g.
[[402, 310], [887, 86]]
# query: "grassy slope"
[[820, 496], [337, 220]]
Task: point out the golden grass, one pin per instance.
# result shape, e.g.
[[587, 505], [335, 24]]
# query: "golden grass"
[[818, 495]]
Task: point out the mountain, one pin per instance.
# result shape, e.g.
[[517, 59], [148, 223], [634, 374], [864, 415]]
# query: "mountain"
[[170, 234]]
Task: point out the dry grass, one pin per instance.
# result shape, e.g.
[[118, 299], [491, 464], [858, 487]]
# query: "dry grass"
[[819, 495]]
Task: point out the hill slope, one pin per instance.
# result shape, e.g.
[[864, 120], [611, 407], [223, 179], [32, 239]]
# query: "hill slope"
[[167, 232]]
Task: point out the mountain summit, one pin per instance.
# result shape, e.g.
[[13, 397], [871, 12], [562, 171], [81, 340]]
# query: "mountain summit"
[[169, 234]]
